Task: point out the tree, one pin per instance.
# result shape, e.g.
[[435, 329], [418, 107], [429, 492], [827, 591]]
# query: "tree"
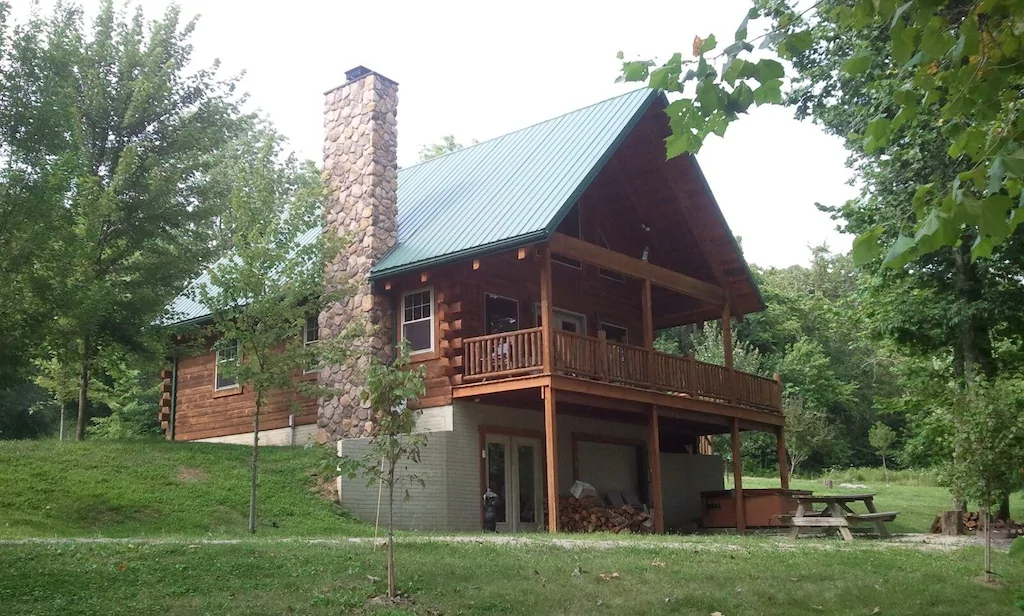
[[447, 145], [882, 438], [390, 389], [272, 276], [115, 133], [807, 431], [988, 442], [956, 59]]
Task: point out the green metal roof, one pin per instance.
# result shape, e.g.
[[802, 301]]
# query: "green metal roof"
[[502, 193], [508, 191]]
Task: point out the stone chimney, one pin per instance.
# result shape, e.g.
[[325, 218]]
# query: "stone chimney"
[[361, 167]]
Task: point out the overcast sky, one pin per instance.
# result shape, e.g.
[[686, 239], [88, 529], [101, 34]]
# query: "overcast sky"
[[478, 70]]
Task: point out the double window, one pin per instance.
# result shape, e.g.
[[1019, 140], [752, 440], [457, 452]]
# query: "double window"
[[227, 359], [418, 320]]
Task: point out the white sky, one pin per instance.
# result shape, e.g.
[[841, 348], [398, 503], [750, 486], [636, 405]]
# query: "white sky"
[[479, 69]]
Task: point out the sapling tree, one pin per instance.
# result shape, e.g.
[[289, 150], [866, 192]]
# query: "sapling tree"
[[881, 438], [807, 431], [988, 444], [390, 389], [271, 279]]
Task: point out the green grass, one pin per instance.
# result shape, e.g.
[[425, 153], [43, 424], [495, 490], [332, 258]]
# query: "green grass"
[[159, 489], [918, 505], [756, 576]]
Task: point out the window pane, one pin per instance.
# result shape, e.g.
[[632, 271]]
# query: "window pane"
[[496, 475], [226, 355], [614, 333], [418, 335], [502, 314], [527, 486], [312, 329]]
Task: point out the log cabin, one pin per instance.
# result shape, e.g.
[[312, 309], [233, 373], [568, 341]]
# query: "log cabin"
[[529, 275]]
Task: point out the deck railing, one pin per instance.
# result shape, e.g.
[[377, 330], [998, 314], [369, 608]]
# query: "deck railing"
[[521, 352], [503, 355]]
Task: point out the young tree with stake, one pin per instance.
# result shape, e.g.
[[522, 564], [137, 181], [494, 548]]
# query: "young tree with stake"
[[390, 389], [271, 279], [881, 437]]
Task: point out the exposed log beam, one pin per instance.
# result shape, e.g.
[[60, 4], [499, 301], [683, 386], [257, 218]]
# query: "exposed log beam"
[[737, 477], [602, 257], [551, 455], [654, 461]]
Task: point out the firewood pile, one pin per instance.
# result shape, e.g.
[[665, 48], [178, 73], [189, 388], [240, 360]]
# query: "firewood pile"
[[591, 515], [973, 522]]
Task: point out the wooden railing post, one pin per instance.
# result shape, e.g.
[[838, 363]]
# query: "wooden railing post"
[[780, 444], [602, 355], [737, 477], [547, 340], [777, 392]]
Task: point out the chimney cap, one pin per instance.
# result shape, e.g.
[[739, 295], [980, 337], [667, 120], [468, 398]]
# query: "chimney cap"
[[357, 73]]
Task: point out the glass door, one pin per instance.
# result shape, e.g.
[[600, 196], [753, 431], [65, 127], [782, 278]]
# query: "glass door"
[[513, 470]]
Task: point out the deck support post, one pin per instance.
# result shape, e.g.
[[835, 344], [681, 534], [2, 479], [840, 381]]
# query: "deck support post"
[[727, 351], [551, 456], [547, 339], [737, 478], [648, 330], [654, 461], [780, 444]]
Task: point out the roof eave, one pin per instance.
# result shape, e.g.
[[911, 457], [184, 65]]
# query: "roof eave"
[[477, 251]]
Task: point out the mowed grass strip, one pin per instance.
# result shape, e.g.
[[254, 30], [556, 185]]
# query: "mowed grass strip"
[[160, 489], [750, 577]]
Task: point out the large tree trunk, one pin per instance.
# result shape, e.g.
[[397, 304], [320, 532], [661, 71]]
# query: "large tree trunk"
[[391, 529], [253, 463], [83, 390]]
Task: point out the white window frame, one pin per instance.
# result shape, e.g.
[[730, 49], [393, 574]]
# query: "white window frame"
[[433, 324], [306, 341], [556, 309], [216, 368]]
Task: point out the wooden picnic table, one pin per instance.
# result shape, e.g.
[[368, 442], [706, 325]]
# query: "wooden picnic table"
[[836, 513]]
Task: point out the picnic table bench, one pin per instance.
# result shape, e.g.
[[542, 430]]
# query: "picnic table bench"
[[836, 513]]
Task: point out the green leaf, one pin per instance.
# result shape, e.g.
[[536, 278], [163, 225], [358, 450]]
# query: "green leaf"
[[982, 247], [795, 44], [899, 13], [866, 247], [877, 134], [939, 229], [858, 63], [769, 69], [992, 220], [636, 70], [679, 143], [708, 44], [996, 175], [741, 98], [902, 252], [1014, 164], [770, 92], [904, 42]]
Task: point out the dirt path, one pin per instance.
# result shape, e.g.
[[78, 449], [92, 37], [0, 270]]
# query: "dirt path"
[[722, 543]]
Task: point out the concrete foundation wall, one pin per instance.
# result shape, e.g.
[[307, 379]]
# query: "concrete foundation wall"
[[450, 467], [300, 435]]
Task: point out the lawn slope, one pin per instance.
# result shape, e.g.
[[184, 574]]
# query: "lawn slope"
[[155, 488]]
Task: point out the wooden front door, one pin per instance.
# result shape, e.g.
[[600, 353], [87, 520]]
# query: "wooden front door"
[[513, 471]]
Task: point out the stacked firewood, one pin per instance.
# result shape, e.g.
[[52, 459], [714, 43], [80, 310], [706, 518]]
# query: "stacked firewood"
[[973, 522], [592, 516]]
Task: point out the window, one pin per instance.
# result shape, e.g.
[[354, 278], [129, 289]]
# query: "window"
[[570, 226], [502, 314], [418, 320], [227, 355], [564, 320], [310, 335], [614, 333], [609, 274]]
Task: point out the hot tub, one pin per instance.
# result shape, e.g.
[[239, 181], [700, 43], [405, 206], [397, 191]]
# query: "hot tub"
[[763, 507]]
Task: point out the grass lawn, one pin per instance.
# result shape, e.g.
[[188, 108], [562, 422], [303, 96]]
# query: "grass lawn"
[[159, 489], [918, 505], [725, 574]]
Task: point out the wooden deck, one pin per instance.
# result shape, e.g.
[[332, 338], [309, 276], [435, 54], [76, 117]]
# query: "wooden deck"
[[506, 356]]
